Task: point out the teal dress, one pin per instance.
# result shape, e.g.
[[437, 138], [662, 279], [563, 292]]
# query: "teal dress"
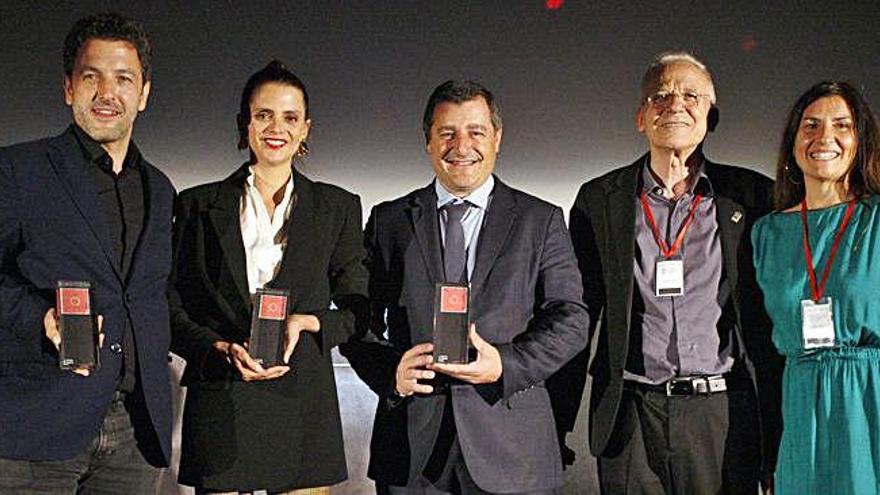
[[831, 397]]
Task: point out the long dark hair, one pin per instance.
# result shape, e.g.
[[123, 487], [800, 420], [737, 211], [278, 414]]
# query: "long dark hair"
[[863, 176]]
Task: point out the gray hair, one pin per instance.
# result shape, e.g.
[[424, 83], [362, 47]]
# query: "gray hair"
[[661, 61]]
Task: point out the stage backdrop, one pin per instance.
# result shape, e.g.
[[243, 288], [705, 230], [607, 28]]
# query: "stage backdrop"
[[566, 74]]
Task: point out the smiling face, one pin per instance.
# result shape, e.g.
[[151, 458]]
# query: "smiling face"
[[826, 140], [463, 144], [675, 124], [278, 124], [106, 90]]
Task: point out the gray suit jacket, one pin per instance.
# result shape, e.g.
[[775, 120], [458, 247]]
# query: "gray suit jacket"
[[525, 300]]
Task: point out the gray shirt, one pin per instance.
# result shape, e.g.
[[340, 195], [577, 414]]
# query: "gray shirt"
[[679, 335]]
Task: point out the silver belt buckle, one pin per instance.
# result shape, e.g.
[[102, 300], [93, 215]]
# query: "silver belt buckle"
[[716, 384], [705, 385]]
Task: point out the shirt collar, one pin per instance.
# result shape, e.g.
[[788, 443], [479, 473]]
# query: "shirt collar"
[[93, 152], [288, 189], [479, 197], [702, 185]]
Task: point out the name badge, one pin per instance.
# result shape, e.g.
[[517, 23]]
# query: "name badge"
[[669, 277], [818, 323]]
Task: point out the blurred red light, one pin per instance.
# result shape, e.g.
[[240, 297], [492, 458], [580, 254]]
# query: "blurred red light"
[[553, 4], [749, 43]]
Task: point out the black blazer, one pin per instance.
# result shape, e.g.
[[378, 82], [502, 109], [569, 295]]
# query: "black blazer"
[[52, 228], [602, 226], [525, 300], [210, 301]]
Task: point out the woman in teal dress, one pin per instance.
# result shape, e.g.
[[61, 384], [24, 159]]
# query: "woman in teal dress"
[[827, 181]]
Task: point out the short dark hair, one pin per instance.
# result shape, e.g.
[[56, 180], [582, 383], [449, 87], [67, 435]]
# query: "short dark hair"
[[108, 26], [459, 92], [274, 72], [863, 176]]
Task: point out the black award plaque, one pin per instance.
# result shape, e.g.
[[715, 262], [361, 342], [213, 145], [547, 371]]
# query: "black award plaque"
[[77, 326], [268, 327], [451, 319]]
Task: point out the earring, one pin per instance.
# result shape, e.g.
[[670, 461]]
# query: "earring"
[[303, 149]]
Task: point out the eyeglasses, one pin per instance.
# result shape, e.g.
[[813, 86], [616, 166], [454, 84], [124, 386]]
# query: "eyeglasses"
[[665, 98]]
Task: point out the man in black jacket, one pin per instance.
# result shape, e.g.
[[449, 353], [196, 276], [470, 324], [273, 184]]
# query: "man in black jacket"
[[86, 206], [685, 378]]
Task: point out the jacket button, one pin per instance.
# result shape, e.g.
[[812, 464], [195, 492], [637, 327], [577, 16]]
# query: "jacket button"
[[116, 348]]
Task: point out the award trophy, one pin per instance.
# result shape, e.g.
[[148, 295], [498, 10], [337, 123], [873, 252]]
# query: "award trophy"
[[268, 327], [77, 326], [451, 320]]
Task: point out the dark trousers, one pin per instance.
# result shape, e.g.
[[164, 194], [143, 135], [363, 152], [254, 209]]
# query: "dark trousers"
[[701, 444], [462, 484], [454, 479], [446, 472], [112, 464]]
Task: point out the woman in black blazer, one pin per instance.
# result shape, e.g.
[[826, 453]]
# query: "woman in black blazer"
[[247, 427]]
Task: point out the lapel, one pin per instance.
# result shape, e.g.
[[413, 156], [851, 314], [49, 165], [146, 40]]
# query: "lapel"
[[304, 240], [67, 159], [224, 216], [497, 225], [731, 218], [422, 212], [620, 212]]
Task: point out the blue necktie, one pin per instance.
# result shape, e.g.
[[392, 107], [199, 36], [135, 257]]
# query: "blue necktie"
[[454, 255]]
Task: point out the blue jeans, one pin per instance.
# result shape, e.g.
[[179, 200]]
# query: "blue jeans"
[[112, 464]]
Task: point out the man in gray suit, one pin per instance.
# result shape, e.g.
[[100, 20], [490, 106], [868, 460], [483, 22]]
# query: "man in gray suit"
[[486, 426]]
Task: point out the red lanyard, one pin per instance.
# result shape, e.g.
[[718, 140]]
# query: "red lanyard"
[[819, 288], [668, 251]]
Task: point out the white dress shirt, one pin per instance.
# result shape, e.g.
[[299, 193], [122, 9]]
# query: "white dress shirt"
[[264, 237]]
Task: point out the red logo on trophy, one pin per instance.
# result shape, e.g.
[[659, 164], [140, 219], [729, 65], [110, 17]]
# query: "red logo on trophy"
[[273, 307], [73, 301], [453, 300]]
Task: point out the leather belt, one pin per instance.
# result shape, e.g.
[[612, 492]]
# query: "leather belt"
[[696, 385], [686, 385]]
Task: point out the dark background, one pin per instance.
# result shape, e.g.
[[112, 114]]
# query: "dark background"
[[567, 78], [567, 81]]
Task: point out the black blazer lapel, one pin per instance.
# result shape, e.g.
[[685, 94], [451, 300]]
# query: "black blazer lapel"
[[67, 159], [304, 240], [426, 229], [731, 224], [620, 212], [497, 224], [731, 218], [224, 216]]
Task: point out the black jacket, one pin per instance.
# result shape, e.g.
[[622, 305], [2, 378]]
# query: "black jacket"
[[602, 224], [52, 228], [295, 417]]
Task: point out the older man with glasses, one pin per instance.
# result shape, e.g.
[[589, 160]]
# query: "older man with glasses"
[[685, 379]]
